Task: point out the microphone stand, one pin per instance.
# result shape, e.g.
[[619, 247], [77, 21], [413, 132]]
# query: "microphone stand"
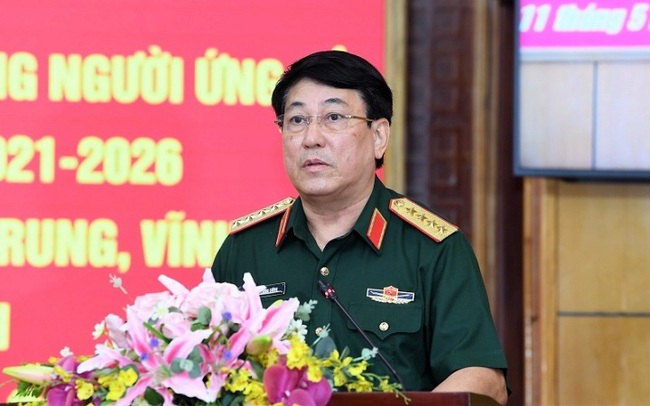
[[330, 294]]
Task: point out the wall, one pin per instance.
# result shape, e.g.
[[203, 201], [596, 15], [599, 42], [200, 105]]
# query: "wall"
[[587, 293]]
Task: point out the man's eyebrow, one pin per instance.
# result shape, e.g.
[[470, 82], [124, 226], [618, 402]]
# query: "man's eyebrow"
[[326, 102], [335, 100], [293, 105]]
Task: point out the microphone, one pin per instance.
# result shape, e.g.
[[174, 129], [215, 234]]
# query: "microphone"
[[330, 294]]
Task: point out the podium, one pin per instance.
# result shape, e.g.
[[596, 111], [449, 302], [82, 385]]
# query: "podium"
[[417, 399], [389, 399]]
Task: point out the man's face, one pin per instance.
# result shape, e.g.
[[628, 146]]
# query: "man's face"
[[322, 163]]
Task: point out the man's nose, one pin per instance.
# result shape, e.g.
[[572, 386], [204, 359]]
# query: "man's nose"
[[313, 133]]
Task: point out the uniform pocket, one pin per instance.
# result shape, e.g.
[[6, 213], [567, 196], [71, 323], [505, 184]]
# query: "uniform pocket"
[[385, 319]]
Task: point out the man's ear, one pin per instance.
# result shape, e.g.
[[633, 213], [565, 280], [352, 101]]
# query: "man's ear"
[[381, 131]]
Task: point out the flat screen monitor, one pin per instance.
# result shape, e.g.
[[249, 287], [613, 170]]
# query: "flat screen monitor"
[[583, 89]]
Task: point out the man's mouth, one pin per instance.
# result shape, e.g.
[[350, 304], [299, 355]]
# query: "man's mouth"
[[310, 163]]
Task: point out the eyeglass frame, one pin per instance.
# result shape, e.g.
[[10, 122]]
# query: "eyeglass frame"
[[279, 121]]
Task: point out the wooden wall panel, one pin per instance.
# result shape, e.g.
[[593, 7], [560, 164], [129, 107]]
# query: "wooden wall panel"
[[604, 361], [587, 296], [540, 301], [604, 247]]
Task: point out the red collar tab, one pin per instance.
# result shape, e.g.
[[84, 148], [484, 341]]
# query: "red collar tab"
[[377, 229], [283, 226]]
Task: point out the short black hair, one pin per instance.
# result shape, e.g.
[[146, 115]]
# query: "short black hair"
[[342, 70]]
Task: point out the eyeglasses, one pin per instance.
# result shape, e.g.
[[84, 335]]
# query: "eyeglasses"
[[332, 122]]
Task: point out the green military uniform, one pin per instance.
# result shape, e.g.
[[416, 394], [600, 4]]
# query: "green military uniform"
[[409, 278]]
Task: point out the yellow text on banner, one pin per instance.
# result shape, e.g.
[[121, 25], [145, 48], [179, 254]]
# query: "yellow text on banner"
[[5, 312]]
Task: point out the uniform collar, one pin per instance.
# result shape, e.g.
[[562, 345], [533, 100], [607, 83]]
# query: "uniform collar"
[[373, 221], [371, 225]]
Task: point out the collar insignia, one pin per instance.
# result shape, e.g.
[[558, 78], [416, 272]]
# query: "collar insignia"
[[274, 289], [376, 229], [390, 294], [283, 227]]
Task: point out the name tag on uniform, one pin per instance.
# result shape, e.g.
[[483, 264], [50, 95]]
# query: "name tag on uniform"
[[274, 289]]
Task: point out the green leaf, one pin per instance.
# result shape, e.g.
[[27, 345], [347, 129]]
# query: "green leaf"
[[257, 367], [195, 355], [204, 316], [175, 366], [195, 372], [179, 365], [153, 397], [232, 399], [29, 389], [191, 364], [324, 347], [157, 333]]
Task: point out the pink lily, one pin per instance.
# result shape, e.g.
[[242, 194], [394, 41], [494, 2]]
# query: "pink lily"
[[115, 327], [256, 321], [104, 357], [157, 365], [211, 295], [176, 288]]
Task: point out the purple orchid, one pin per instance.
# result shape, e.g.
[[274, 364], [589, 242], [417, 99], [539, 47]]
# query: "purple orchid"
[[64, 393], [291, 387]]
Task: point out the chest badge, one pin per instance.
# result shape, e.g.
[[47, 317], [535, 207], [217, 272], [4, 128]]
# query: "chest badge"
[[274, 289], [390, 294]]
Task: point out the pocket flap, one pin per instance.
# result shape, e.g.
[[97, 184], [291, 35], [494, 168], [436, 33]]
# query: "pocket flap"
[[384, 319]]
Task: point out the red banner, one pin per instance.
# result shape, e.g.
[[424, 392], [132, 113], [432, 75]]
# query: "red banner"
[[131, 133]]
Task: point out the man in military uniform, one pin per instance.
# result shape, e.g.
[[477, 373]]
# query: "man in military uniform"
[[408, 277]]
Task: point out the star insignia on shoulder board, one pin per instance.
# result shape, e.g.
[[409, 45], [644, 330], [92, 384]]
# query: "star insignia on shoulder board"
[[424, 220], [260, 215]]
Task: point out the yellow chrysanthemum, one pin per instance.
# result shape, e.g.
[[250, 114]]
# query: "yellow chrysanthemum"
[[298, 353], [65, 376], [334, 360], [385, 385], [268, 358], [357, 369], [116, 390], [360, 385], [238, 380], [314, 370], [105, 380], [255, 394], [339, 377], [84, 389], [128, 376]]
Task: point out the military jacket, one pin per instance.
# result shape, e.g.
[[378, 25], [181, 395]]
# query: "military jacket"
[[408, 277]]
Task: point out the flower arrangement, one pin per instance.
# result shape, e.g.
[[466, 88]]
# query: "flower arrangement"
[[214, 344]]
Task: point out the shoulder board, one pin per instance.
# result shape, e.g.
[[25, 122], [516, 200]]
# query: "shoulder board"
[[260, 215], [429, 223]]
